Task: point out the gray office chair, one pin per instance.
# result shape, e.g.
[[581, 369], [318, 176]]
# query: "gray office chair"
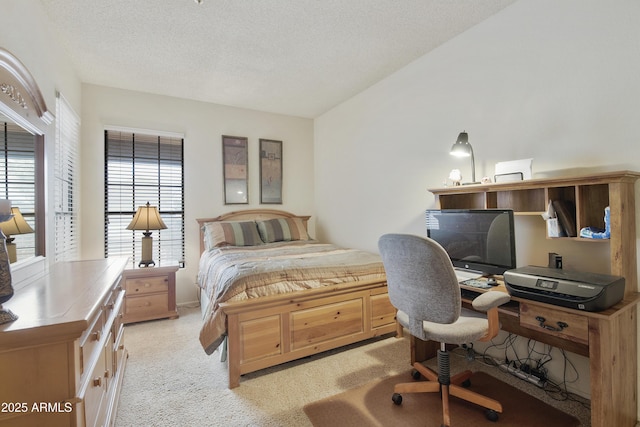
[[423, 287]]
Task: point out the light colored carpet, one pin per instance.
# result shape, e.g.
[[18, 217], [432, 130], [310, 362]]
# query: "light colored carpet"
[[170, 381]]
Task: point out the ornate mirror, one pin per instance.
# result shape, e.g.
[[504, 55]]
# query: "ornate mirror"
[[23, 119]]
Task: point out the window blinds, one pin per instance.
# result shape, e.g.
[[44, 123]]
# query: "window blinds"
[[141, 168], [65, 164], [18, 179]]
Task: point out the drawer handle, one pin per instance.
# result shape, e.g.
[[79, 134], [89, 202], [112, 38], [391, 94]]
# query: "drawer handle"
[[96, 335], [561, 325], [97, 382]]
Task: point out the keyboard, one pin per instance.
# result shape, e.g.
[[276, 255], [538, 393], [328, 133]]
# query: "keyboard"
[[476, 283]]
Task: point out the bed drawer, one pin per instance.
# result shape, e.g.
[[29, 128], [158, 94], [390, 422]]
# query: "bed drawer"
[[261, 338], [326, 322], [146, 285], [382, 312], [562, 324]]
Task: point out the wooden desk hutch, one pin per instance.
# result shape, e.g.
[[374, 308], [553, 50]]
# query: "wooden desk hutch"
[[609, 338]]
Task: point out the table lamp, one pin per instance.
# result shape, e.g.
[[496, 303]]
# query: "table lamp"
[[462, 148], [6, 288], [147, 218], [13, 226]]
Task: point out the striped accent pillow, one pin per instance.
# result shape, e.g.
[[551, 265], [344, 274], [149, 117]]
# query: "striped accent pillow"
[[231, 233], [282, 230]]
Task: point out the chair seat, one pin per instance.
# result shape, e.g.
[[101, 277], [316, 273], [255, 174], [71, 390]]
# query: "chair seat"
[[469, 327]]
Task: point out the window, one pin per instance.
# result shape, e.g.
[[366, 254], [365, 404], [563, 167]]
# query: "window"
[[141, 168], [18, 179], [66, 158]]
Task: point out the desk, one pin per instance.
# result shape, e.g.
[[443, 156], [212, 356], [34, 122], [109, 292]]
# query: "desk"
[[608, 338]]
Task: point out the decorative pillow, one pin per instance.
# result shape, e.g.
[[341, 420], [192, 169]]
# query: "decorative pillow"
[[282, 230], [231, 233]]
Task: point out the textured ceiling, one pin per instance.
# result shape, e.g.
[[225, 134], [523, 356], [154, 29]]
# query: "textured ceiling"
[[296, 57]]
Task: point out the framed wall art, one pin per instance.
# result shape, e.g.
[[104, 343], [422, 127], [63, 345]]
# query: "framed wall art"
[[270, 171], [235, 155]]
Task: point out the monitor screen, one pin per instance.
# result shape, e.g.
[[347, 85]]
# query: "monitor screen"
[[481, 240]]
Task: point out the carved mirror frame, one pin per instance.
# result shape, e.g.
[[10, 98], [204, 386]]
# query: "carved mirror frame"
[[22, 102]]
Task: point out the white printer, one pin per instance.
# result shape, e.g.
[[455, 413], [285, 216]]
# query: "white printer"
[[579, 290]]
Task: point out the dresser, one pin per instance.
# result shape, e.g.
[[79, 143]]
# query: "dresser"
[[62, 362], [150, 294]]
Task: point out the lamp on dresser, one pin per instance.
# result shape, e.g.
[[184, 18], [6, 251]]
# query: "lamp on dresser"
[[14, 226], [462, 148], [147, 218], [6, 287]]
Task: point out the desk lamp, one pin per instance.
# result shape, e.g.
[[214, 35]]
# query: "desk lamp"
[[462, 148], [13, 226], [147, 218]]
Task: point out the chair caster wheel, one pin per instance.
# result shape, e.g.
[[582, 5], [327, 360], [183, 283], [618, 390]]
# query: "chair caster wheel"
[[492, 415], [397, 398], [466, 383], [415, 374]]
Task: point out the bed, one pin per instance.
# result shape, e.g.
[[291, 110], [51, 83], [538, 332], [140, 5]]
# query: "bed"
[[285, 299]]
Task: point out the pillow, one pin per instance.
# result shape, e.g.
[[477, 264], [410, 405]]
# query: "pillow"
[[231, 233], [282, 230]]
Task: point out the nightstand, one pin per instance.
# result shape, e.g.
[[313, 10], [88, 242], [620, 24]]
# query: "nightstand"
[[150, 294]]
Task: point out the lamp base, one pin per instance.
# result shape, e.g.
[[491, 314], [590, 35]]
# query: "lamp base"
[[147, 264], [147, 252], [7, 316]]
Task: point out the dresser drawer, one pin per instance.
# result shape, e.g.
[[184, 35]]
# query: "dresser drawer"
[[146, 285], [90, 340], [573, 327], [93, 401]]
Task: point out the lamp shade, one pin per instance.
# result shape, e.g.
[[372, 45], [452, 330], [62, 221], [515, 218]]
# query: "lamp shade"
[[147, 218], [15, 225], [462, 148]]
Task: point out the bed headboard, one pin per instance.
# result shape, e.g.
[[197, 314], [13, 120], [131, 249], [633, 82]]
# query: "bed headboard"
[[249, 214]]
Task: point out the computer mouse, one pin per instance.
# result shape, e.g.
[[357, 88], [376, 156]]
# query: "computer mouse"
[[492, 281]]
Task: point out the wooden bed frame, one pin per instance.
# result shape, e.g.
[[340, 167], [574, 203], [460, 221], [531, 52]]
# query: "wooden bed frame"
[[268, 331]]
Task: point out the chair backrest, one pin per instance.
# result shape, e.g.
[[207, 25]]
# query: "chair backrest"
[[420, 278]]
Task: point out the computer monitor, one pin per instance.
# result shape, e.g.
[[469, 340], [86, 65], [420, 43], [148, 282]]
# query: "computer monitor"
[[479, 240]]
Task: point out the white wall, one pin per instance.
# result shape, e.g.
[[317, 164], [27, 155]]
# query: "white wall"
[[202, 125], [556, 81], [27, 34]]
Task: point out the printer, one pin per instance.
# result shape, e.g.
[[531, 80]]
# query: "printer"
[[573, 289]]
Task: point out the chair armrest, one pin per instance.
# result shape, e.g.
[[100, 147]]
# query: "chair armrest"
[[488, 300]]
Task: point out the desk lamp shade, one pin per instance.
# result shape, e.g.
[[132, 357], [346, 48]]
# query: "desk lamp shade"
[[14, 226], [6, 287], [462, 148], [147, 218]]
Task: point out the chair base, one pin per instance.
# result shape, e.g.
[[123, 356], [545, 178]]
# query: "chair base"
[[454, 388]]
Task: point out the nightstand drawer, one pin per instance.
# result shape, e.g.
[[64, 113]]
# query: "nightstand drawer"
[[150, 294], [146, 285], [147, 306]]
